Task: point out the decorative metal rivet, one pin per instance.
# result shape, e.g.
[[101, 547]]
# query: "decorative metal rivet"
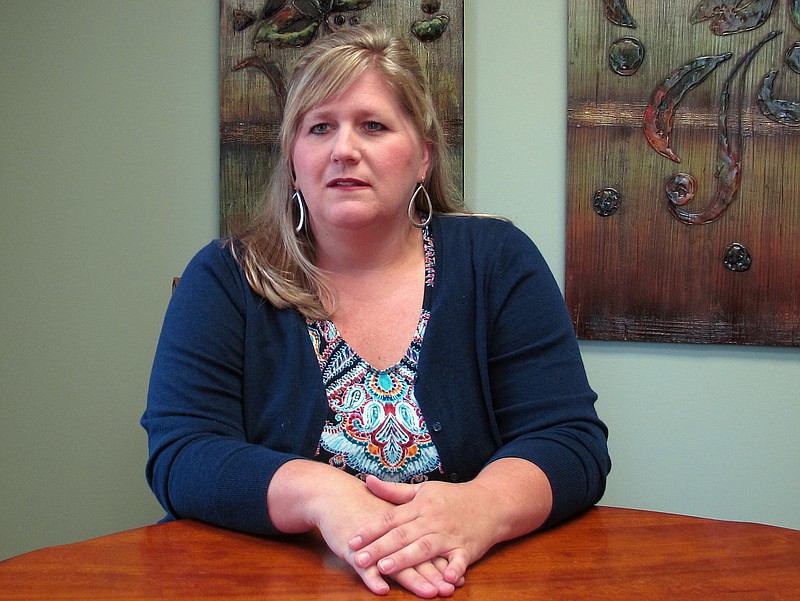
[[625, 56], [606, 202], [737, 257]]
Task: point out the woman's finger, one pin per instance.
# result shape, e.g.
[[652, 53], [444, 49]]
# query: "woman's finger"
[[434, 575], [403, 551], [456, 567], [420, 583], [373, 580], [384, 533], [393, 492], [441, 565], [401, 547]]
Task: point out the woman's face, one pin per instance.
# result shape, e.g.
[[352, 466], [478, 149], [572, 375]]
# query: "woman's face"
[[358, 158]]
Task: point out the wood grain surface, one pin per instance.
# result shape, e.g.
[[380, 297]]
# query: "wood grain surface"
[[608, 553]]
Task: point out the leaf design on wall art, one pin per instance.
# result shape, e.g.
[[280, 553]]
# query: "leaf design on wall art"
[[660, 111], [294, 23], [729, 171], [733, 16], [617, 12], [780, 111]]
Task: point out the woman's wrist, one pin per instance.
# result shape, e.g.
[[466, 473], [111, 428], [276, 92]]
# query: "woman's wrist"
[[299, 494], [519, 494]]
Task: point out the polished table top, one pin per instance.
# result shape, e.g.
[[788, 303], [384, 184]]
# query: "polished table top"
[[607, 553]]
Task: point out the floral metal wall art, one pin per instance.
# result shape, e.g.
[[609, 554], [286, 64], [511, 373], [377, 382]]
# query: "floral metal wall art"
[[685, 226]]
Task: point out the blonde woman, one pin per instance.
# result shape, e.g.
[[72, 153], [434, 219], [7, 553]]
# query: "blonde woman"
[[365, 359]]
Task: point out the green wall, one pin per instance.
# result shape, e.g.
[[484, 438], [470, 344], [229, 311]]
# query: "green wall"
[[108, 185]]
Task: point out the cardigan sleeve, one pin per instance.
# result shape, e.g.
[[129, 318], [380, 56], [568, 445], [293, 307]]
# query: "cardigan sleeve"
[[200, 463], [543, 405]]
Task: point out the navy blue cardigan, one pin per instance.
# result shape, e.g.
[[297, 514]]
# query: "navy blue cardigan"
[[236, 390]]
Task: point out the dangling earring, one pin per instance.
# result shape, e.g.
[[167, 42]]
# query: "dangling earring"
[[298, 198], [412, 206]]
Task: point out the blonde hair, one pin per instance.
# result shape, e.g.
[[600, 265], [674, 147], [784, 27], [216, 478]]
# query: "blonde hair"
[[279, 262]]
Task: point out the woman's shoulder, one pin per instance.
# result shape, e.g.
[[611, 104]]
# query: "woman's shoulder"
[[482, 230], [488, 244], [214, 261], [472, 223], [216, 252]]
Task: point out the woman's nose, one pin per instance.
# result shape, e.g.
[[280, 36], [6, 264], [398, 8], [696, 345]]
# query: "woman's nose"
[[345, 146]]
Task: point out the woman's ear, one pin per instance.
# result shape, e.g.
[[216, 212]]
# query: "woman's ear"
[[427, 152]]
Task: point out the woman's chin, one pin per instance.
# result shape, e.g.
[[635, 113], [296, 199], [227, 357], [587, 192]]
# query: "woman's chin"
[[357, 218]]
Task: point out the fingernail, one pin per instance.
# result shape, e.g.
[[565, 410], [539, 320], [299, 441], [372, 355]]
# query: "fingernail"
[[385, 565], [362, 560], [356, 542], [446, 589], [451, 576], [429, 589]]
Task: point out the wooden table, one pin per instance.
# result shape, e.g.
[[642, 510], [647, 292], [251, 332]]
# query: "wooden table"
[[607, 553]]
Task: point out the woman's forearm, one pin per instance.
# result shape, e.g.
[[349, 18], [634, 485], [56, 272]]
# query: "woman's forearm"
[[520, 496], [301, 491]]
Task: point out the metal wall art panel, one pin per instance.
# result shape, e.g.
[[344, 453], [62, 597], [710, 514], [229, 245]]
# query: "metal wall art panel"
[[261, 39], [683, 200]]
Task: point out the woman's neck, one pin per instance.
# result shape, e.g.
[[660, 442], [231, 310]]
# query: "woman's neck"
[[349, 253]]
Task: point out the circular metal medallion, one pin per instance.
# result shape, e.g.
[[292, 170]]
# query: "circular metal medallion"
[[606, 202], [625, 56], [737, 257]]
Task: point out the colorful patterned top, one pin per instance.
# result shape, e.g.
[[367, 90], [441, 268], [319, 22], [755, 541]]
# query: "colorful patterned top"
[[374, 424]]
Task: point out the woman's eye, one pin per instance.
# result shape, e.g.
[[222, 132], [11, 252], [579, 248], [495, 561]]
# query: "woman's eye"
[[373, 126], [319, 128]]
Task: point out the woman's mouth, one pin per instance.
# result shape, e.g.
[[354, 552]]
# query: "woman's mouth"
[[346, 183]]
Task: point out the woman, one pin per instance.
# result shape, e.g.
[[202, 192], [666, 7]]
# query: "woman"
[[366, 360]]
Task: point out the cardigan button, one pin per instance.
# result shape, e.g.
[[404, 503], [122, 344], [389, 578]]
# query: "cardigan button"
[[453, 477], [437, 426]]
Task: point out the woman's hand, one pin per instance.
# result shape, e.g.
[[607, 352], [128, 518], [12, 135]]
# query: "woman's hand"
[[428, 520], [345, 514], [304, 495], [460, 522]]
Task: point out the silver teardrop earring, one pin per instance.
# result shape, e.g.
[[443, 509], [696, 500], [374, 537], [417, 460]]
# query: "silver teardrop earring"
[[412, 206], [298, 198]]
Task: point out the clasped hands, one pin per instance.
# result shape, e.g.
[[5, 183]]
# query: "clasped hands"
[[424, 537]]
